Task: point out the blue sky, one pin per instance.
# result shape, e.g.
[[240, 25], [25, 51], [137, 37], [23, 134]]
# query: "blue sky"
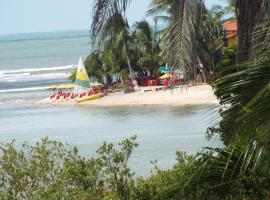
[[20, 16]]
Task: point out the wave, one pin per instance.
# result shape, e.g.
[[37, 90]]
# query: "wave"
[[30, 77], [33, 79], [37, 69], [30, 89], [36, 74]]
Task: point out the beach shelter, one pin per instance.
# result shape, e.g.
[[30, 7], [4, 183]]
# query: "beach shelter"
[[82, 82], [164, 69]]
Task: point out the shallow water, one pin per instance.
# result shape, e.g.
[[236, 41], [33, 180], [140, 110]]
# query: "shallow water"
[[161, 130]]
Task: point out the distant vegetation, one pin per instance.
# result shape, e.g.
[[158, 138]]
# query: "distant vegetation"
[[121, 49]]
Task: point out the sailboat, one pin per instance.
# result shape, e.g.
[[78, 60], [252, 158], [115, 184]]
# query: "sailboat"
[[82, 86], [82, 89]]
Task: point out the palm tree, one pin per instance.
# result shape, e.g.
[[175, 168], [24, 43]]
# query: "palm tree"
[[243, 89], [148, 47], [109, 22], [249, 13], [205, 36], [244, 95], [92, 63], [209, 39]]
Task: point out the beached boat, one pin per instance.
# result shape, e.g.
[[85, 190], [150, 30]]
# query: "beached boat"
[[89, 98]]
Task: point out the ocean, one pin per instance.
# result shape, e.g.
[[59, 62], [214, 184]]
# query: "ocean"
[[30, 63], [35, 61]]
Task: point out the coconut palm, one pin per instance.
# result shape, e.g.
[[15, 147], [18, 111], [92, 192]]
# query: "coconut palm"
[[147, 43], [206, 37], [209, 39], [109, 22], [243, 90], [92, 63], [249, 13], [179, 34], [244, 95]]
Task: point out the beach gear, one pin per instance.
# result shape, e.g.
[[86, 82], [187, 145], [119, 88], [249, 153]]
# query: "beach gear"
[[88, 97]]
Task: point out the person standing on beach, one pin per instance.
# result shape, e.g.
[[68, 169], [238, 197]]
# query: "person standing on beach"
[[198, 75], [135, 84]]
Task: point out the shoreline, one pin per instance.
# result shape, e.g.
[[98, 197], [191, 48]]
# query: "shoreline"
[[185, 96]]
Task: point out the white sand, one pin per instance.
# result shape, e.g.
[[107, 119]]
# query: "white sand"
[[195, 95]]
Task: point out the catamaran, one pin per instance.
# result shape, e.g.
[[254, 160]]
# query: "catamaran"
[[83, 90]]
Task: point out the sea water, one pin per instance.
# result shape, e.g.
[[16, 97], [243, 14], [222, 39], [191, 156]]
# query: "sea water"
[[30, 63]]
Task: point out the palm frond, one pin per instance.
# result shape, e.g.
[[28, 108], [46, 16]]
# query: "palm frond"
[[181, 35], [103, 11], [215, 171]]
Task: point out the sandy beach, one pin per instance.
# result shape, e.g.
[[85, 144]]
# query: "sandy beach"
[[192, 95]]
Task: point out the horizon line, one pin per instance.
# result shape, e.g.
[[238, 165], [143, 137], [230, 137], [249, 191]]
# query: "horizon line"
[[45, 31]]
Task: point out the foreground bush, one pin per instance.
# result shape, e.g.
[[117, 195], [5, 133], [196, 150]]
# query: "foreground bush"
[[53, 170]]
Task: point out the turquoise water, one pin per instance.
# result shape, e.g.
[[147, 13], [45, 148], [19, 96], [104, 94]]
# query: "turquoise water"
[[39, 50], [31, 62]]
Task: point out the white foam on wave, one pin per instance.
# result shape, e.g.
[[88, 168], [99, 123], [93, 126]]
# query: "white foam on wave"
[[10, 79], [12, 75], [34, 77], [30, 89], [37, 69]]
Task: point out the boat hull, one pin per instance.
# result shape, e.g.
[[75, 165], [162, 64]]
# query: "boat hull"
[[89, 98]]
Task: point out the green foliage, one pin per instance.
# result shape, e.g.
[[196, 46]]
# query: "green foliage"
[[222, 173], [243, 90], [118, 176], [121, 45], [148, 46], [210, 37], [36, 172], [52, 170]]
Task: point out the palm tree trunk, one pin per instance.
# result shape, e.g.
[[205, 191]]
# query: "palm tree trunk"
[[250, 13], [131, 75], [213, 63]]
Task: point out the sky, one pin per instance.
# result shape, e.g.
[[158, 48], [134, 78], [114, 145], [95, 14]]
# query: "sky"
[[22, 16]]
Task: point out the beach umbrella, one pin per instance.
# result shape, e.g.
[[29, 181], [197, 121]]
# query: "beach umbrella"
[[164, 69]]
